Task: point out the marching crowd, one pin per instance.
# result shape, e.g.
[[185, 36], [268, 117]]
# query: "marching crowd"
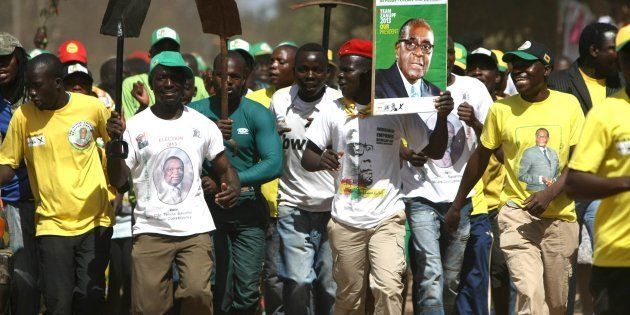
[[298, 200]]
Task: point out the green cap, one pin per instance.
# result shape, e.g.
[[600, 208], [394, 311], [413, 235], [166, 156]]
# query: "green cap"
[[36, 52], [260, 49], [460, 55], [287, 43], [201, 64], [8, 43], [164, 32], [170, 59], [238, 43]]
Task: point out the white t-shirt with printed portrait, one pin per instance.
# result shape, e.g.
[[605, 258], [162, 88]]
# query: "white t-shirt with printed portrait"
[[438, 180], [367, 186], [165, 158]]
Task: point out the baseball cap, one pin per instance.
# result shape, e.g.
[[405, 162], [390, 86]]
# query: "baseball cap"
[[260, 49], [460, 55], [170, 59], [77, 69], [72, 50], [287, 43], [238, 43], [482, 54], [530, 50], [355, 46], [623, 37], [8, 43], [36, 52], [162, 33], [502, 65]]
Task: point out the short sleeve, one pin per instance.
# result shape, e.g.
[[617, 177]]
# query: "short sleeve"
[[491, 135], [103, 115], [214, 141], [132, 157], [320, 131], [415, 131], [12, 149], [594, 142], [484, 103]]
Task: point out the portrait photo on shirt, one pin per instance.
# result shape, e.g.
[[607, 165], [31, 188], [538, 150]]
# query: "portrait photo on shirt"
[[456, 141], [409, 56], [80, 135], [173, 175], [539, 166]]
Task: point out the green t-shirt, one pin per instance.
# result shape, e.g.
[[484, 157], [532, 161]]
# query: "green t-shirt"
[[130, 105], [259, 155]]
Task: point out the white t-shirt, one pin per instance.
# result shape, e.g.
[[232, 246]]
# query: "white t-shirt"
[[367, 187], [438, 180], [165, 158], [299, 187]]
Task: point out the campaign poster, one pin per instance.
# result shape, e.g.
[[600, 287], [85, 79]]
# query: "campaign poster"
[[410, 51]]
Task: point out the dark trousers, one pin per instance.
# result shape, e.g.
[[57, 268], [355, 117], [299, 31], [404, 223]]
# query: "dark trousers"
[[119, 285], [272, 289], [611, 290], [73, 271]]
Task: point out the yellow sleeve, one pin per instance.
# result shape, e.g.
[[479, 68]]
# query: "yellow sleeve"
[[12, 149], [593, 144], [577, 122], [491, 134]]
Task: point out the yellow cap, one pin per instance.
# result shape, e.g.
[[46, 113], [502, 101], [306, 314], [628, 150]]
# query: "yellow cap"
[[502, 64], [623, 37]]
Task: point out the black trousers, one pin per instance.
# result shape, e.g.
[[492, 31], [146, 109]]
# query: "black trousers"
[[611, 290], [73, 271], [119, 285]]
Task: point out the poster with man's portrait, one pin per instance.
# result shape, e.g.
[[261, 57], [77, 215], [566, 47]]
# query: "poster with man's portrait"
[[409, 64]]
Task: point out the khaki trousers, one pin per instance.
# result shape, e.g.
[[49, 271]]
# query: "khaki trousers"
[[375, 256], [152, 280], [539, 255]]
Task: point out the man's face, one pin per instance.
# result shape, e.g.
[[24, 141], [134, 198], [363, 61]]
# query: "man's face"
[[261, 71], [624, 63], [606, 60], [310, 72], [77, 84], [541, 138], [236, 77], [168, 85], [529, 76], [281, 67], [173, 172], [42, 87], [82, 133], [414, 63], [8, 68], [352, 78], [485, 72], [189, 90], [450, 56]]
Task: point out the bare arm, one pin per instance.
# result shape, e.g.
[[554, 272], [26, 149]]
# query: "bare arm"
[[6, 174], [584, 185], [230, 187], [439, 137], [314, 159]]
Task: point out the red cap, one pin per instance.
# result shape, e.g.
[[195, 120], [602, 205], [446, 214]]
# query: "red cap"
[[356, 46], [138, 54], [72, 50]]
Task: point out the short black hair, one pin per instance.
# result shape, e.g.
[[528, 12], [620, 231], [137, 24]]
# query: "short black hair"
[[311, 47], [247, 59], [53, 65], [593, 34]]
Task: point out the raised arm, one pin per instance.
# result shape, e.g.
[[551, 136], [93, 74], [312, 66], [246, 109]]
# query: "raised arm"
[[439, 137], [117, 170]]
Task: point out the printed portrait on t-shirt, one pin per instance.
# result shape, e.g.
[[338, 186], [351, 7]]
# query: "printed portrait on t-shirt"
[[539, 166], [456, 141], [80, 135], [173, 175]]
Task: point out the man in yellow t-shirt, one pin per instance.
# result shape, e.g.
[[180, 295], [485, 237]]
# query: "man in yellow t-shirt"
[[55, 134], [539, 235], [600, 169], [281, 76]]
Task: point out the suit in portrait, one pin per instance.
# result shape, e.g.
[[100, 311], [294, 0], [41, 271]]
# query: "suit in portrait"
[[389, 84], [534, 165]]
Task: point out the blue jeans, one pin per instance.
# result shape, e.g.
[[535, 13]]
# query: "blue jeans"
[[307, 262], [25, 293], [474, 284], [437, 256], [586, 211]]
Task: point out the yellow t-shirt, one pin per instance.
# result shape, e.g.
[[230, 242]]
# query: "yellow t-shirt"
[[493, 179], [515, 124], [604, 149], [479, 203], [270, 189], [63, 165], [596, 88]]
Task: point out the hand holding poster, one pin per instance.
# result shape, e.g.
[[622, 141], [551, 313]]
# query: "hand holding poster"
[[409, 55]]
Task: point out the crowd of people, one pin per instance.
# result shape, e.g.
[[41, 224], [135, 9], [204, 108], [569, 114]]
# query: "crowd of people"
[[298, 200]]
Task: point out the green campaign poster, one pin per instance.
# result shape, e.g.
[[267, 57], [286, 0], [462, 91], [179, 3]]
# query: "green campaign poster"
[[410, 43]]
